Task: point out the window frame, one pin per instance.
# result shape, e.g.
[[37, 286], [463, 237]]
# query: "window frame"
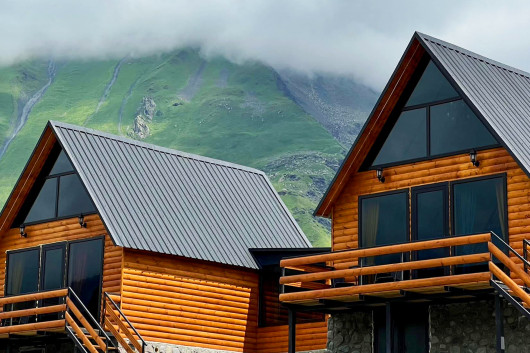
[[379, 194], [9, 252], [43, 176], [429, 156], [67, 277], [401, 106], [502, 176]]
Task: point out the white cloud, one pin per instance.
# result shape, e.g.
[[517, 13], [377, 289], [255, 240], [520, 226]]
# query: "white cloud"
[[360, 39]]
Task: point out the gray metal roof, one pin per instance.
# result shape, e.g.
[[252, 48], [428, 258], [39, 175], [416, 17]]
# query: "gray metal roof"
[[166, 201], [500, 94]]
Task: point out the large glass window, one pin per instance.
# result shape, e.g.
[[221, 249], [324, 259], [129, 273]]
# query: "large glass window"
[[22, 278], [479, 207], [431, 87], [23, 272], [454, 127], [407, 140], [430, 221], [435, 121], [384, 221], [85, 271], [56, 194]]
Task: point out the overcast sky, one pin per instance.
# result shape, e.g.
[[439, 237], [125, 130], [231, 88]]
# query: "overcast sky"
[[362, 39]]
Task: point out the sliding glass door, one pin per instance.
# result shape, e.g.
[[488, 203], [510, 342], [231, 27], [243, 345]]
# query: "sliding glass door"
[[479, 206], [77, 264], [85, 272], [22, 278], [430, 220], [384, 221]]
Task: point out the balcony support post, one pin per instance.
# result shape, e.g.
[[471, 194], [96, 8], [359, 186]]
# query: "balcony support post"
[[388, 328], [292, 330], [499, 324]]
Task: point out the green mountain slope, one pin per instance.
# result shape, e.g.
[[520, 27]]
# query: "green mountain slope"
[[240, 113]]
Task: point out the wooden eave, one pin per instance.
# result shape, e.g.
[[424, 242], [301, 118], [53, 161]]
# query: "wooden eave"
[[374, 124], [26, 180]]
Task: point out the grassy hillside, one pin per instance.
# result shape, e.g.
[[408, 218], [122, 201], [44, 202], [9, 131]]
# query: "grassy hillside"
[[237, 113]]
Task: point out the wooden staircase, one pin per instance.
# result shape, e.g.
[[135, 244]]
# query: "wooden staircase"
[[514, 288], [73, 318]]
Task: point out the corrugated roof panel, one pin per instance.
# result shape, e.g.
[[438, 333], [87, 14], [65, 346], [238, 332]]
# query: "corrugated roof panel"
[[166, 201], [500, 93]]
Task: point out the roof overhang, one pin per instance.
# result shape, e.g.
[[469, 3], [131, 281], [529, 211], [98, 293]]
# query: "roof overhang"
[[374, 124]]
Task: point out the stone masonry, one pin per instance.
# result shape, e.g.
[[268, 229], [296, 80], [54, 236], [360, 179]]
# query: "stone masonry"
[[453, 328], [350, 333]]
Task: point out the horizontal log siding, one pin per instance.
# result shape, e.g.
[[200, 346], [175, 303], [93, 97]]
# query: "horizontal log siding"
[[68, 229], [494, 161], [309, 337], [190, 302]]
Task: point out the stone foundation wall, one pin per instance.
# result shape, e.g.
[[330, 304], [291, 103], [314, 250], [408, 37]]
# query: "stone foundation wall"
[[350, 333], [470, 328], [453, 328]]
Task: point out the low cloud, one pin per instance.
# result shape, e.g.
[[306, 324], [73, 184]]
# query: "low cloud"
[[351, 38]]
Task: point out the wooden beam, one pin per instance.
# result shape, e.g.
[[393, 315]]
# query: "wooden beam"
[[33, 296], [388, 249], [80, 334], [509, 263], [504, 278], [404, 266], [110, 312], [109, 326], [33, 311], [39, 326], [86, 325], [383, 287]]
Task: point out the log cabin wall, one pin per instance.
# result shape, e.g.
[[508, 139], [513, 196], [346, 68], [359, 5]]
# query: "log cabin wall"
[[493, 161], [309, 337], [65, 230], [190, 302], [197, 303]]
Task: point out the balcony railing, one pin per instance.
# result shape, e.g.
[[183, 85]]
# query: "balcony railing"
[[313, 280]]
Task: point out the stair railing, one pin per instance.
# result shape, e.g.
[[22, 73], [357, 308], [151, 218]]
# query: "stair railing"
[[111, 319], [499, 277], [525, 254], [78, 312]]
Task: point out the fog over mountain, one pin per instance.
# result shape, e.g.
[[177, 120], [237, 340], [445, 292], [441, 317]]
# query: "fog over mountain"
[[361, 40]]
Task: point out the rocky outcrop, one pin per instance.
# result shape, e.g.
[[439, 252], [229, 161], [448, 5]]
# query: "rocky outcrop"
[[144, 116]]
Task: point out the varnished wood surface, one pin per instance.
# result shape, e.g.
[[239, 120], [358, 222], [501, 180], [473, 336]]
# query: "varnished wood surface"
[[65, 230], [495, 161], [378, 118]]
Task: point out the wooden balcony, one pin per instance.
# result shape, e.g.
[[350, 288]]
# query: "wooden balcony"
[[329, 282]]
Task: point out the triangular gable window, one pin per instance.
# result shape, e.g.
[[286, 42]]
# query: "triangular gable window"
[[57, 193], [434, 122]]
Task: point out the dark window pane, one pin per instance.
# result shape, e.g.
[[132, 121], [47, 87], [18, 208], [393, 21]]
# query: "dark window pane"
[[407, 140], [454, 128], [23, 272], [384, 222], [73, 199], [430, 223], [22, 278], [62, 165], [479, 207], [52, 276], [44, 206], [85, 261], [53, 270], [431, 87]]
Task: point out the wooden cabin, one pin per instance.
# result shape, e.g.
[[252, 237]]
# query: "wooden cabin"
[[110, 243], [430, 214]]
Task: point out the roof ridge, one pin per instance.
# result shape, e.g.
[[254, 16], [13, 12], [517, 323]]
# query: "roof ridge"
[[156, 148], [474, 55]]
